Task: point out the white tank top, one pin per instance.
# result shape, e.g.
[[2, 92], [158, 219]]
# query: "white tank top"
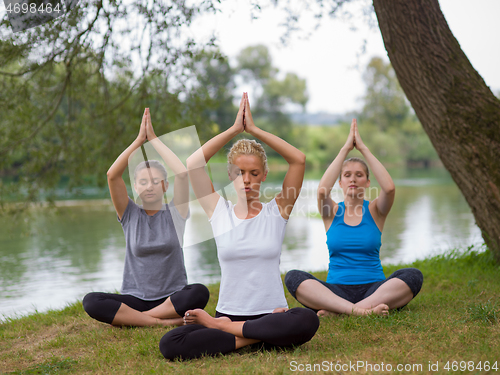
[[249, 256]]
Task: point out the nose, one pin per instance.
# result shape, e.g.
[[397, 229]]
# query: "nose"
[[246, 178]]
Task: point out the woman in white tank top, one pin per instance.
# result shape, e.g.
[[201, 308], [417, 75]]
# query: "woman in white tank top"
[[252, 306]]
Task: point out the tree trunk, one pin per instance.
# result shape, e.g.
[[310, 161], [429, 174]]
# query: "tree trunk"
[[457, 110]]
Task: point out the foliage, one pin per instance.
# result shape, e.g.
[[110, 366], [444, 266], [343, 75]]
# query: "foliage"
[[386, 107], [385, 103], [276, 94], [71, 118], [386, 123], [72, 90]]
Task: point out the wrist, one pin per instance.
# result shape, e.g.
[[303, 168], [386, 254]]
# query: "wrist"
[[234, 130], [252, 130], [362, 148]]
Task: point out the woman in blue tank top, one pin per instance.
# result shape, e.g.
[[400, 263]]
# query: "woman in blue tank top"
[[356, 283]]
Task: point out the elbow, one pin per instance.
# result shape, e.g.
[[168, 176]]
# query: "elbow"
[[111, 176], [182, 176], [196, 160], [190, 162], [300, 158], [390, 190]]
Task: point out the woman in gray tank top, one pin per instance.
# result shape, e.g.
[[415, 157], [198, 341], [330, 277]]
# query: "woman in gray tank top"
[[154, 289]]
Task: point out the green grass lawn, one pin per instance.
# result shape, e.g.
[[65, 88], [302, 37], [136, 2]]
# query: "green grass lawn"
[[455, 317]]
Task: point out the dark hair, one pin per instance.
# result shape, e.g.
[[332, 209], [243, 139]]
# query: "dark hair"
[[356, 160], [151, 164]]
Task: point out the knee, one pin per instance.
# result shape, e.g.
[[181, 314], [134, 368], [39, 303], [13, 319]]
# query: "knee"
[[99, 307], [293, 279], [413, 277], [192, 296], [176, 343], [418, 280], [308, 323], [91, 303], [200, 295], [168, 346]]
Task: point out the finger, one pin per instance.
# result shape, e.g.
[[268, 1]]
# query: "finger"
[[242, 107], [247, 104]]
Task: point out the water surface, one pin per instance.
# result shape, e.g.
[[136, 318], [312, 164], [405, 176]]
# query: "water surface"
[[54, 257]]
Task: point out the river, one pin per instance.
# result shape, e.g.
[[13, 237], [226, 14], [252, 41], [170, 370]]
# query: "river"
[[50, 258]]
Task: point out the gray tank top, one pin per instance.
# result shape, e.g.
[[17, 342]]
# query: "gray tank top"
[[154, 261]]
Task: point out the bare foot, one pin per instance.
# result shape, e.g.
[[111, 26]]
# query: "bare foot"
[[327, 313], [381, 309], [170, 322], [199, 316], [280, 310]]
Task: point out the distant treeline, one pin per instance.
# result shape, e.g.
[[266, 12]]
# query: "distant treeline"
[[69, 122]]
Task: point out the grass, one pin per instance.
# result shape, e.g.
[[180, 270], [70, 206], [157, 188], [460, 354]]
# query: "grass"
[[455, 317]]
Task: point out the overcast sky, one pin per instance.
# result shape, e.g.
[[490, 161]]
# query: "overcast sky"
[[329, 57]]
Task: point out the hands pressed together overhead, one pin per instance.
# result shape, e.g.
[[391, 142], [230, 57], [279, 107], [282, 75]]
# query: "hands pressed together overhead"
[[244, 120], [146, 131], [354, 139]]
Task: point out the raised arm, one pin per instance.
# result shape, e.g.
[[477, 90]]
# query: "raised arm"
[[295, 158], [326, 205], [117, 188], [181, 181], [384, 201], [202, 185]]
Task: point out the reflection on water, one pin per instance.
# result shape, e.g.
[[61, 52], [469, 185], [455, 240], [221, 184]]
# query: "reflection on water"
[[52, 258]]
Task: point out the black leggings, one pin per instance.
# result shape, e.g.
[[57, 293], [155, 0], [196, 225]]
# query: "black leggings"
[[293, 327], [355, 293], [103, 306]]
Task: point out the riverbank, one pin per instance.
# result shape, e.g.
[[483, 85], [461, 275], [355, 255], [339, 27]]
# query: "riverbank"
[[456, 317]]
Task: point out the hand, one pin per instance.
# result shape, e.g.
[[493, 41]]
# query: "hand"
[[350, 142], [142, 131], [358, 143], [150, 133], [239, 123], [248, 120]]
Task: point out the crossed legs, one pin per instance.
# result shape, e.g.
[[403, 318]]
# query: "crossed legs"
[[163, 314], [394, 292], [205, 335], [119, 310]]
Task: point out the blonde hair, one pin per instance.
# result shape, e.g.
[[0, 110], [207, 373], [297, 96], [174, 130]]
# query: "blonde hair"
[[247, 147]]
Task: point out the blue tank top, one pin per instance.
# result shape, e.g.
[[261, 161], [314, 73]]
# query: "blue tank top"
[[354, 250]]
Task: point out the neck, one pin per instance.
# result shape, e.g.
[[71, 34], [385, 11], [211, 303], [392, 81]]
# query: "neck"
[[250, 205], [152, 208], [350, 201]]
